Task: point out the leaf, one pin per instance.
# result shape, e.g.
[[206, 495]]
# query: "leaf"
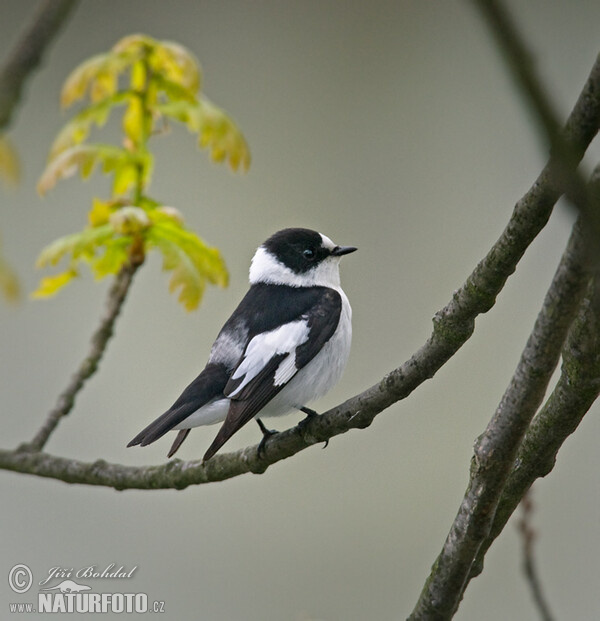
[[79, 79], [9, 283], [176, 64], [114, 257], [99, 75], [100, 212], [134, 121], [10, 169], [216, 131], [78, 128], [134, 45], [191, 262], [50, 285], [82, 244], [85, 158]]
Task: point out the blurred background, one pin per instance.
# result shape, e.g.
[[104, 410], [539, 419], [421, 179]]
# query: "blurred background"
[[389, 125]]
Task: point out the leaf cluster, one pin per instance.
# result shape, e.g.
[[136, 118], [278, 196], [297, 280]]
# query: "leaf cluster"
[[154, 83]]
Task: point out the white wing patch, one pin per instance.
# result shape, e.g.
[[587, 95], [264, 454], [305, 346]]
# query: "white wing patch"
[[286, 370], [263, 347]]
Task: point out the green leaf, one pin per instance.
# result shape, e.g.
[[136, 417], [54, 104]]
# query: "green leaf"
[[78, 128], [216, 131], [79, 245], [100, 74], [9, 283], [84, 157], [50, 285], [190, 260], [134, 121], [114, 257], [177, 65], [10, 169]]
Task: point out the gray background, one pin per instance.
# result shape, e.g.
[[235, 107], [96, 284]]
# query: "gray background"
[[391, 126]]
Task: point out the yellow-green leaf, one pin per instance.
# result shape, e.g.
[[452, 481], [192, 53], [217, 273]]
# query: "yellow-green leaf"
[[216, 131], [133, 121], [50, 285], [79, 245], [124, 179], [99, 75], [134, 45], [84, 157], [78, 81], [10, 169], [112, 260], [9, 283], [78, 128], [99, 213], [191, 262], [177, 64]]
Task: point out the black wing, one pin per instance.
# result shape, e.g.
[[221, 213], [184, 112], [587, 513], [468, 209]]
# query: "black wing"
[[267, 365], [207, 386]]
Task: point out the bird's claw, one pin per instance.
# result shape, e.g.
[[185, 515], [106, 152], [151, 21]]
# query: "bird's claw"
[[267, 433], [310, 414]]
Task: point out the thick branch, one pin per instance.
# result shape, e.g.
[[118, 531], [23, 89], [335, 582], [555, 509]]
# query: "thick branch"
[[496, 448], [27, 53], [574, 394], [99, 341]]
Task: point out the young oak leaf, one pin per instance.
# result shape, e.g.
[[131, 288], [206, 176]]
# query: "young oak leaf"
[[10, 169], [177, 64], [78, 128], [113, 258], [216, 131], [78, 245], [85, 157], [50, 285], [191, 262], [98, 75], [9, 283]]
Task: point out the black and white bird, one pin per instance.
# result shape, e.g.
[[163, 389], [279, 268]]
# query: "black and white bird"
[[286, 344]]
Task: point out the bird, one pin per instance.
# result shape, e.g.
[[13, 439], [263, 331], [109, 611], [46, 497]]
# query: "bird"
[[286, 344]]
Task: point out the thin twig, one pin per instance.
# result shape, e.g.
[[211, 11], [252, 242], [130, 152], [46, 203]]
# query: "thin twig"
[[496, 448], [564, 154], [116, 297], [27, 54], [528, 536]]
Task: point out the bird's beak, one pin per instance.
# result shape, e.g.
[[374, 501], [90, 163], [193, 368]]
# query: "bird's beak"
[[338, 251]]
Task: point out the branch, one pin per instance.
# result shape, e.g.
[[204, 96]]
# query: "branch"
[[528, 534], [495, 450], [27, 53], [99, 341], [575, 392]]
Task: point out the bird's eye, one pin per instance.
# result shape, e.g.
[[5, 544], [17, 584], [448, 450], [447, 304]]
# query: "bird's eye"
[[309, 254]]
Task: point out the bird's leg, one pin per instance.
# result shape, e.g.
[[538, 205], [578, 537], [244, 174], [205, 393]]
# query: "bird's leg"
[[267, 433], [310, 414]]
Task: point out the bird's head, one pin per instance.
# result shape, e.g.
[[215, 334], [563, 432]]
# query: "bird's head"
[[299, 258]]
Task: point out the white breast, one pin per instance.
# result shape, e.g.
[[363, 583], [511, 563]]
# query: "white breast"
[[321, 373]]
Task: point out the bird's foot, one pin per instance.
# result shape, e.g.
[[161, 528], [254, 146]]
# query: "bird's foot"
[[267, 433], [310, 414]]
